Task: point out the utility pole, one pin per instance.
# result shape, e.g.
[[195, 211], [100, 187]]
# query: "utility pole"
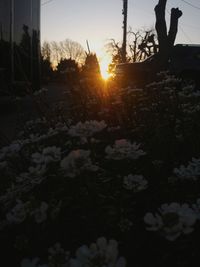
[[125, 14]]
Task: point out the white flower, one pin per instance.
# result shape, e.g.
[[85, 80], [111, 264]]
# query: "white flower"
[[37, 158], [171, 220], [37, 171], [48, 155], [123, 149], [42, 160], [77, 161], [32, 263], [154, 222], [58, 256], [102, 243], [62, 127], [18, 214], [191, 172], [196, 208], [9, 151], [103, 253], [51, 154], [135, 183], [94, 140], [83, 254], [112, 251], [86, 129], [114, 128], [39, 92], [188, 91], [36, 121], [40, 214], [37, 138]]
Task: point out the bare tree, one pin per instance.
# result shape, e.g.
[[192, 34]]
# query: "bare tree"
[[56, 52], [115, 50], [46, 63], [46, 50], [67, 49], [133, 44], [73, 50], [166, 39], [142, 44]]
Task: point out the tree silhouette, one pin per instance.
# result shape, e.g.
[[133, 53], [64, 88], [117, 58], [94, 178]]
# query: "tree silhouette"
[[46, 50], [67, 49], [142, 44], [114, 48], [67, 70], [91, 66], [46, 65], [73, 50], [46, 70], [67, 66], [166, 39]]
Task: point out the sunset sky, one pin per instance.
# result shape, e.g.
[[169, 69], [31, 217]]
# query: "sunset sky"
[[100, 20]]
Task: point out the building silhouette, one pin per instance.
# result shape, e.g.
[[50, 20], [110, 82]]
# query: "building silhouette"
[[20, 44]]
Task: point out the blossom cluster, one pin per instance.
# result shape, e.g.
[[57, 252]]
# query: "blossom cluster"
[[36, 188], [135, 183], [190, 172], [48, 155], [173, 220], [123, 149], [10, 150], [23, 209], [86, 129], [77, 161], [103, 253]]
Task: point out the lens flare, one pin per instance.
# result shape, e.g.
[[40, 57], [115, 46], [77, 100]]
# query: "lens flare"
[[104, 62]]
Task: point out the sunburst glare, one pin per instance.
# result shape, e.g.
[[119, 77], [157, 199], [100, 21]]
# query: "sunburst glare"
[[104, 62]]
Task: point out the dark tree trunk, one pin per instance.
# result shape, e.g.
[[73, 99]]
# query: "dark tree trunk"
[[161, 26], [175, 15], [166, 40]]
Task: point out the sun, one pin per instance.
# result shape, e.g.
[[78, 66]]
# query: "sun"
[[104, 62]]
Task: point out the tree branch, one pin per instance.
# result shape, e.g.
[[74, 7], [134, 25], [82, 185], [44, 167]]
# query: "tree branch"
[[175, 15]]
